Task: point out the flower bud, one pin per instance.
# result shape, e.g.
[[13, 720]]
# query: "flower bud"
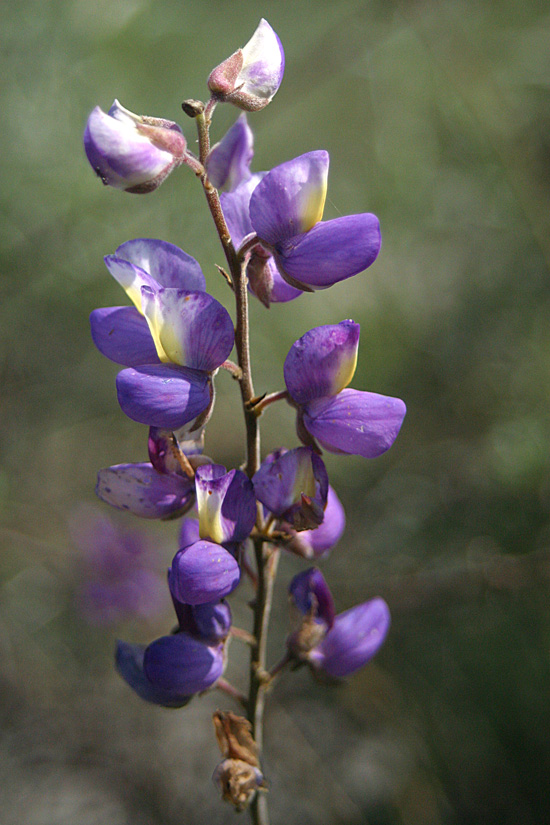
[[228, 163], [251, 76], [132, 152]]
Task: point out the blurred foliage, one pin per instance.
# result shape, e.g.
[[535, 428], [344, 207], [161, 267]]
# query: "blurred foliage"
[[436, 116]]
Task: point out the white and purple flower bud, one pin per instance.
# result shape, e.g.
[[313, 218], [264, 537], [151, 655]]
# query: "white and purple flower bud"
[[293, 485], [202, 572], [226, 504], [228, 163], [251, 76], [322, 362], [132, 152]]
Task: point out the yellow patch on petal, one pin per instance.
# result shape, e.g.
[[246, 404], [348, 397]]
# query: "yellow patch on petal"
[[304, 481], [313, 203], [210, 524], [345, 373]]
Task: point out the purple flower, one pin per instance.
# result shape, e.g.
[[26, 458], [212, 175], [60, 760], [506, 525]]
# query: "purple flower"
[[317, 370], [264, 279], [117, 579], [132, 152], [174, 338], [251, 76], [286, 208], [171, 669], [228, 163], [337, 645], [293, 485]]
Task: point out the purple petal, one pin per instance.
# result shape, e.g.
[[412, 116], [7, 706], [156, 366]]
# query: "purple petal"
[[228, 163], [166, 396], [317, 543], [293, 485], [203, 572], [167, 264], [122, 334], [290, 199], [213, 621], [235, 206], [354, 638], [322, 362], [181, 664], [189, 532], [354, 422], [331, 251], [193, 329], [129, 663], [141, 490], [311, 595], [226, 504]]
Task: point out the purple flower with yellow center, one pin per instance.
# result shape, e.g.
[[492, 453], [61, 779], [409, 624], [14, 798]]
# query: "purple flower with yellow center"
[[286, 208], [205, 568], [293, 485], [251, 76], [317, 370], [172, 340], [337, 645], [132, 152]]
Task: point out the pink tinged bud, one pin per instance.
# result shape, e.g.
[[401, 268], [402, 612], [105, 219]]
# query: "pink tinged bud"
[[293, 485], [203, 572], [252, 75], [355, 422], [228, 164], [354, 638], [132, 152], [322, 362], [226, 504]]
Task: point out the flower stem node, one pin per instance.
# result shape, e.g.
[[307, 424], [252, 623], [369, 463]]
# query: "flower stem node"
[[131, 152]]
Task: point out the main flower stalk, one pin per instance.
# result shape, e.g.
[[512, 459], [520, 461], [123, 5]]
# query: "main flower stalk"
[[266, 558]]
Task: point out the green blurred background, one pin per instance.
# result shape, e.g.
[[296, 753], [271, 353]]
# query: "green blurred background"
[[436, 116]]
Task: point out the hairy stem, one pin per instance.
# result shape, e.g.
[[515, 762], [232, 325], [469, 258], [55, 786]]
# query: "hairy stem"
[[266, 555]]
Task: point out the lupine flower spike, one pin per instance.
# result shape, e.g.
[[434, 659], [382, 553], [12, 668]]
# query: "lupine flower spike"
[[170, 340]]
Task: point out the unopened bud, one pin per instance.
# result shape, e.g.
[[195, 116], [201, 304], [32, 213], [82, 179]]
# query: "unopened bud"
[[250, 77], [132, 152]]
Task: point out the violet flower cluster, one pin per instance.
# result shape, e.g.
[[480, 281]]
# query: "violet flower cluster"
[[171, 340]]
